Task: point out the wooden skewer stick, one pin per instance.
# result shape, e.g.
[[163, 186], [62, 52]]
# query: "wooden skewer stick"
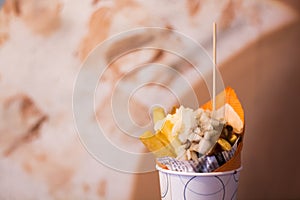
[[214, 67]]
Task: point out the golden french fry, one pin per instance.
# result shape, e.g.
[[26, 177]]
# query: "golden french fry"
[[158, 113], [232, 138], [226, 146]]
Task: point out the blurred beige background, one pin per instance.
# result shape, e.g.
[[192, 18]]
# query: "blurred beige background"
[[42, 46]]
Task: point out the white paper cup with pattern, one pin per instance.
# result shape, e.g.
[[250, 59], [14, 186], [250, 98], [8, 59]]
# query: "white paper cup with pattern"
[[198, 186]]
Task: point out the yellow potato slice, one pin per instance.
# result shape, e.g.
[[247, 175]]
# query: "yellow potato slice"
[[224, 144], [157, 144], [167, 132], [158, 113]]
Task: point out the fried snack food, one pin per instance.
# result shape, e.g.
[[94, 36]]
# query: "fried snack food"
[[201, 136]]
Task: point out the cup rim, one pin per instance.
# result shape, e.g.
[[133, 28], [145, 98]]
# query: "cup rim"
[[198, 174]]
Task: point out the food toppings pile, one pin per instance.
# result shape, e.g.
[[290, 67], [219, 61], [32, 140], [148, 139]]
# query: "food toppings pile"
[[198, 140]]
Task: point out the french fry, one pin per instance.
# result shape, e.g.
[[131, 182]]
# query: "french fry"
[[225, 145], [232, 139]]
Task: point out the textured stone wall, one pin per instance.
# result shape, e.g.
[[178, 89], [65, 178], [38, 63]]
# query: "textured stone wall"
[[42, 47]]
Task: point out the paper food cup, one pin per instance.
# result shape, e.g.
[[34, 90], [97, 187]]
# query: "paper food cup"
[[198, 186]]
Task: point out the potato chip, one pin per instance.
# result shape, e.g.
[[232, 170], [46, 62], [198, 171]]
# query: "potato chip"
[[158, 113], [157, 144], [227, 96], [228, 101]]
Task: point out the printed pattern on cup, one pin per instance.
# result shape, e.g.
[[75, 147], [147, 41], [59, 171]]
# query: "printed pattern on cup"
[[178, 187]]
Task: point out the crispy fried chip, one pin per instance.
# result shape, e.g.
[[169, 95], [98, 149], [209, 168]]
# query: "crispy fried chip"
[[158, 113], [157, 144], [162, 143], [228, 96]]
